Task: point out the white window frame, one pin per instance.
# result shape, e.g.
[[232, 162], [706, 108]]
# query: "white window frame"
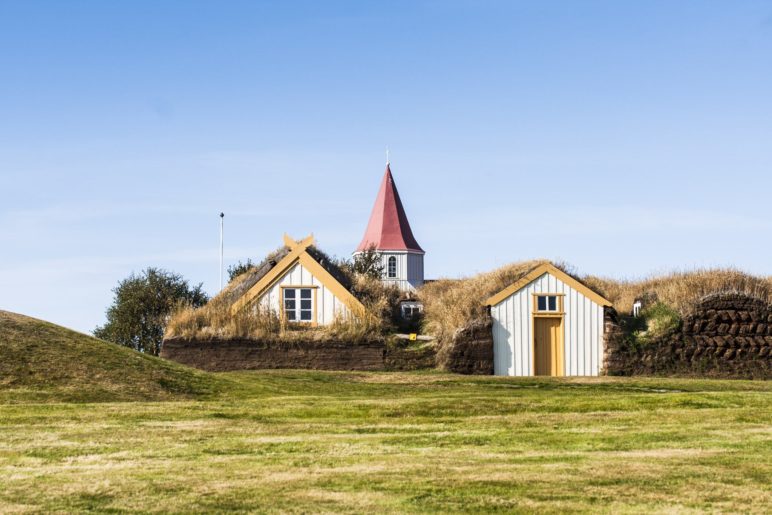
[[411, 311], [295, 313], [389, 273], [553, 303]]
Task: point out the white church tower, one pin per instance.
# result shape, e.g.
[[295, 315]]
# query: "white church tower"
[[389, 233]]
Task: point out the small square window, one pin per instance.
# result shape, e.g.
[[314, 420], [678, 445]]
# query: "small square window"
[[547, 303]]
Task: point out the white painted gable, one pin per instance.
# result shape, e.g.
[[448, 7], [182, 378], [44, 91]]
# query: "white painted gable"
[[513, 330], [327, 305]]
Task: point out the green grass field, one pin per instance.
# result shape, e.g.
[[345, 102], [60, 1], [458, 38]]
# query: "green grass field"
[[299, 441], [89, 426]]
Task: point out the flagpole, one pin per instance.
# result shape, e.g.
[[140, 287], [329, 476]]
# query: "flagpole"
[[222, 220]]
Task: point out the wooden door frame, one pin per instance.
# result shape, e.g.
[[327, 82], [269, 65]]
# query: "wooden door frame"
[[562, 318]]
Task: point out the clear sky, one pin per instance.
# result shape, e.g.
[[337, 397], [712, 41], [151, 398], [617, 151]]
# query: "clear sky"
[[625, 138]]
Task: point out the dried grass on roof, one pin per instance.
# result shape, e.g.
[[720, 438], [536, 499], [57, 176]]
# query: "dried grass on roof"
[[681, 290], [215, 320], [453, 304], [450, 304], [241, 284]]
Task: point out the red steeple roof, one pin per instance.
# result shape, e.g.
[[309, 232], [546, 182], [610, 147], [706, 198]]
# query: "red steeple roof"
[[388, 228]]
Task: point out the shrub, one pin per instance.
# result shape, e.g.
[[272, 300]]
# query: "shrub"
[[655, 321], [142, 306], [240, 268], [368, 263]]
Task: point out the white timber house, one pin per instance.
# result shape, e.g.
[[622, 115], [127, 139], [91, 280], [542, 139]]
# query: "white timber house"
[[547, 323]]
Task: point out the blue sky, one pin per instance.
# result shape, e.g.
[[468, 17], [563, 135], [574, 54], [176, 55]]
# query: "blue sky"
[[626, 138]]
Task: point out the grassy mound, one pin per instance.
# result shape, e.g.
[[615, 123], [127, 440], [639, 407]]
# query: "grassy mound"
[[681, 290], [40, 361], [452, 304]]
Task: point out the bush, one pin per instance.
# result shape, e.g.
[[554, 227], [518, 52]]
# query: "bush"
[[368, 263], [240, 268], [142, 306], [655, 321]]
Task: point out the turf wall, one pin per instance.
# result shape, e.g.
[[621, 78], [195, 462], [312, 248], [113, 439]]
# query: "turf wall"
[[727, 335], [225, 355], [470, 351]]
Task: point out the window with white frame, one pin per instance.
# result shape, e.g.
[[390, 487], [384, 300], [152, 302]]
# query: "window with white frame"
[[392, 267], [411, 310], [298, 304], [548, 303]]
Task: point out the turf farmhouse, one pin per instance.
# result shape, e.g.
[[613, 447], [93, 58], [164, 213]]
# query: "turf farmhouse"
[[302, 441]]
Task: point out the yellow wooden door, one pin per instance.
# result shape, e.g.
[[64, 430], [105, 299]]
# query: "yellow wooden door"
[[548, 346]]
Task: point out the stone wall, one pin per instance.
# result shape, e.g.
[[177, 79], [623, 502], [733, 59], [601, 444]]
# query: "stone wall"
[[470, 351], [226, 355], [726, 335]]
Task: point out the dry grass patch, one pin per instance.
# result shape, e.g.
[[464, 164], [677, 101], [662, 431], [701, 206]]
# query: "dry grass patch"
[[450, 304], [681, 290]]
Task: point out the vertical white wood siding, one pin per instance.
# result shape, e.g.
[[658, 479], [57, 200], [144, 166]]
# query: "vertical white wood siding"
[[513, 330], [410, 269], [328, 305]]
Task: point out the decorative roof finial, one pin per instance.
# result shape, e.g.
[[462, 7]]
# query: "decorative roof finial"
[[387, 155]]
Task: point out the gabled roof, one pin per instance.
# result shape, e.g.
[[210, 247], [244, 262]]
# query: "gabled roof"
[[303, 253], [538, 272], [243, 283], [388, 228]]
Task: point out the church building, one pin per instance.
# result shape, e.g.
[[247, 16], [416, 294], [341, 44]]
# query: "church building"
[[389, 234]]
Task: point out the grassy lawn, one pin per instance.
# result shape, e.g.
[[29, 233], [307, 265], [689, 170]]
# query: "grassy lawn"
[[303, 441]]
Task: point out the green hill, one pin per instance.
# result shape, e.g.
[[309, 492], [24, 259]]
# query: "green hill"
[[40, 361]]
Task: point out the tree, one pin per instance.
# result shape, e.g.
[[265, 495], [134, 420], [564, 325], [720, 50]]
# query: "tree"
[[141, 308], [239, 268], [368, 263]]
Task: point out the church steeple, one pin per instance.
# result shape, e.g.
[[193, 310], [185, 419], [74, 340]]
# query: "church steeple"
[[388, 228], [389, 232]]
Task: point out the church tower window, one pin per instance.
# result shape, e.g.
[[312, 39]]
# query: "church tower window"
[[392, 267]]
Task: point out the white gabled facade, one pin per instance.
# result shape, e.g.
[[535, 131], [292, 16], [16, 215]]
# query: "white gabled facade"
[[325, 305], [568, 340], [300, 290]]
